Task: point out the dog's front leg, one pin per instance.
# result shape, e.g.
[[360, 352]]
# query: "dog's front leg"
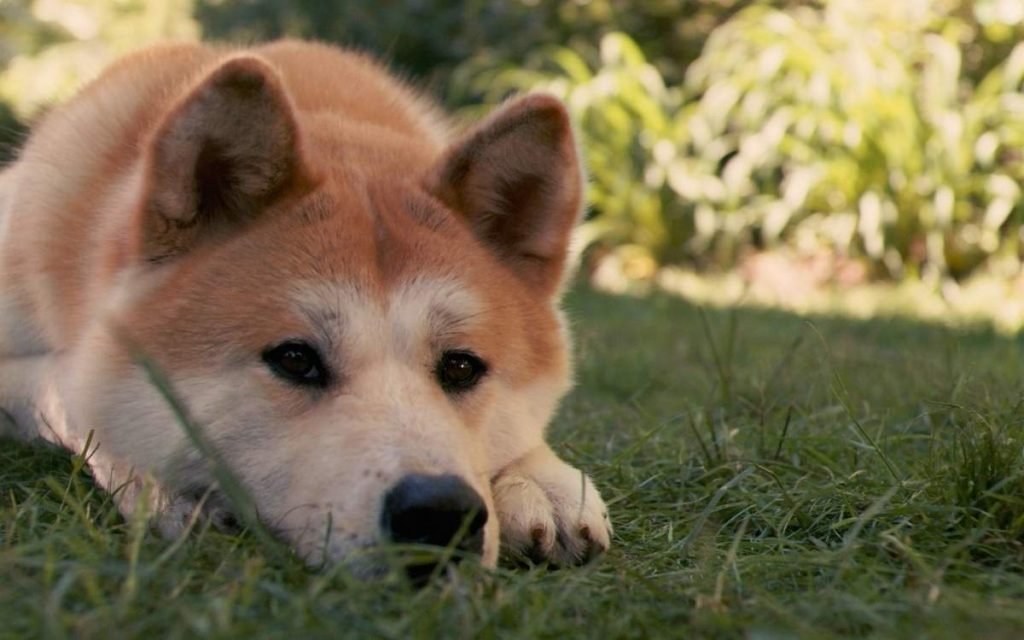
[[549, 511]]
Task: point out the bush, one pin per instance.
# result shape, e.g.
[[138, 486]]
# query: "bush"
[[49, 49], [856, 129], [853, 128]]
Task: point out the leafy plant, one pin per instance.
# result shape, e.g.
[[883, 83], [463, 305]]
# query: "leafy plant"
[[49, 49], [853, 128]]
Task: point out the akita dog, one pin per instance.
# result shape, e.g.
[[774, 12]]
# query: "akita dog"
[[359, 309]]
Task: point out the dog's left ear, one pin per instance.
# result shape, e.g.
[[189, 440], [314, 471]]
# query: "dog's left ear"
[[517, 182], [220, 157]]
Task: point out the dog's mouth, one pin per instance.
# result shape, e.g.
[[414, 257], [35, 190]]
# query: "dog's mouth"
[[427, 525], [212, 505]]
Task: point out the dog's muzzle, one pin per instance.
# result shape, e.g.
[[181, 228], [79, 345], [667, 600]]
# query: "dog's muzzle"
[[437, 510]]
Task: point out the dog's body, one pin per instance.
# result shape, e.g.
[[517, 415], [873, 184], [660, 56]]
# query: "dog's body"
[[359, 312]]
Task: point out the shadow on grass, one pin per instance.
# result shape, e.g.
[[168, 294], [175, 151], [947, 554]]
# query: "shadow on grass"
[[769, 457]]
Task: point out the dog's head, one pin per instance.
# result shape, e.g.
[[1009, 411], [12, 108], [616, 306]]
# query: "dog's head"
[[364, 325]]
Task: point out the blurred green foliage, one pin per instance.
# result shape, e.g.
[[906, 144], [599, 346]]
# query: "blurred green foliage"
[[12, 132], [884, 130], [49, 47], [887, 131], [431, 38], [855, 127]]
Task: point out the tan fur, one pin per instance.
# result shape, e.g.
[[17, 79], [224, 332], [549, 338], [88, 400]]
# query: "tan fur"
[[203, 204]]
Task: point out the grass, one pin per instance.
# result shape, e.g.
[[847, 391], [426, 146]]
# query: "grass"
[[768, 477]]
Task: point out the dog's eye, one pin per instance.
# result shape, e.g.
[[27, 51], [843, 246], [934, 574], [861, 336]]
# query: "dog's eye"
[[296, 362], [459, 370]]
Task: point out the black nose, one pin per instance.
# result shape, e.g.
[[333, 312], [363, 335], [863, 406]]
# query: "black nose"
[[435, 510]]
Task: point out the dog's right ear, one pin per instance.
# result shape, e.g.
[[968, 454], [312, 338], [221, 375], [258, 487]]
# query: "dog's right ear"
[[516, 181], [219, 158]]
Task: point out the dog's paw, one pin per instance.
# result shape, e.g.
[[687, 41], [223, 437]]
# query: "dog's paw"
[[550, 512]]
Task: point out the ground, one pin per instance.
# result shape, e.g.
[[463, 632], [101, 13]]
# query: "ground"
[[769, 476]]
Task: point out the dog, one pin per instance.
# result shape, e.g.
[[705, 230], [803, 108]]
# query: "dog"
[[356, 306]]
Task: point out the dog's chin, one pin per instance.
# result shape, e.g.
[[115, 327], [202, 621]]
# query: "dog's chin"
[[197, 506], [218, 512], [367, 560], [378, 559]]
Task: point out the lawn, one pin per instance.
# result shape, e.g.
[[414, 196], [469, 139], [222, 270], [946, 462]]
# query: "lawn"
[[768, 476]]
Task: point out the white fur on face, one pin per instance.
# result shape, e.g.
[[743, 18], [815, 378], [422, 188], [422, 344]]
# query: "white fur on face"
[[389, 417], [317, 467]]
